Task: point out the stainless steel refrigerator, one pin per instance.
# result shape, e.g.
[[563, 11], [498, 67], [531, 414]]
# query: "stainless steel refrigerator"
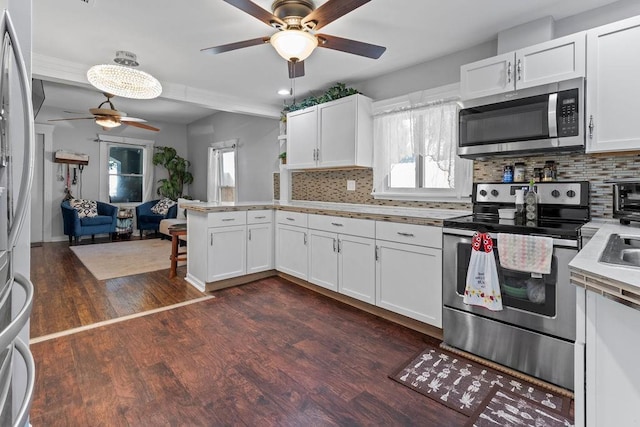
[[17, 370]]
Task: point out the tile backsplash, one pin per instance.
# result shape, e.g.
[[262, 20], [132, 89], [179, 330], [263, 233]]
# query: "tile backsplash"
[[331, 185]]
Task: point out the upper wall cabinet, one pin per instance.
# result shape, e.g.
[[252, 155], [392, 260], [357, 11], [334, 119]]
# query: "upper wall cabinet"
[[544, 63], [613, 88], [334, 134]]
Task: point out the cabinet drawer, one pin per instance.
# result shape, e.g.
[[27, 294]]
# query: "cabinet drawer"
[[259, 217], [292, 218], [336, 224], [423, 235], [224, 219]]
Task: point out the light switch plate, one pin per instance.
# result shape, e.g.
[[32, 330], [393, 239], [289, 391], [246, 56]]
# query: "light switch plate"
[[351, 185]]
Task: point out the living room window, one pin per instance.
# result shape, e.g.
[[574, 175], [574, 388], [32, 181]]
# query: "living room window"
[[415, 141], [126, 170], [221, 176]]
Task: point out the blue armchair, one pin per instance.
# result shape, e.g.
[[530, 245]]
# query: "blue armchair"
[[147, 220], [74, 226]]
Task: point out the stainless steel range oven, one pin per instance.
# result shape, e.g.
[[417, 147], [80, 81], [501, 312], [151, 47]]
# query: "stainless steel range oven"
[[536, 330]]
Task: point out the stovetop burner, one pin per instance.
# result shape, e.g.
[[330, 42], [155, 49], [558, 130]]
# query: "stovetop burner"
[[563, 209]]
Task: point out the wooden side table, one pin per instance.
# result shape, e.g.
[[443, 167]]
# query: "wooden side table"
[[176, 231], [124, 224]]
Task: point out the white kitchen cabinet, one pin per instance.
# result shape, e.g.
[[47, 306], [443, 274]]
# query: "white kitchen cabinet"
[[227, 252], [612, 374], [409, 276], [259, 241], [333, 134], [342, 255], [549, 62], [292, 251], [613, 88]]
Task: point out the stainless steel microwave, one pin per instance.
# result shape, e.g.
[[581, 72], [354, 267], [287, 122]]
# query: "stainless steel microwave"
[[543, 119]]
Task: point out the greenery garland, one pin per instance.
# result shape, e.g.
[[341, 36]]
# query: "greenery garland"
[[337, 91]]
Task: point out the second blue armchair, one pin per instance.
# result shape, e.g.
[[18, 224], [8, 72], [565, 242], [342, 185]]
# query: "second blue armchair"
[[147, 220]]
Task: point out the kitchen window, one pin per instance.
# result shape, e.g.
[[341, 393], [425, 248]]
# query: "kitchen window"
[[415, 150]]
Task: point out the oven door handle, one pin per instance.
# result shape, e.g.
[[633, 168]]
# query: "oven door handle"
[[567, 243]]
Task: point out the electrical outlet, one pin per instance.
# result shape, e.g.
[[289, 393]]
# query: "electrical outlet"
[[351, 185]]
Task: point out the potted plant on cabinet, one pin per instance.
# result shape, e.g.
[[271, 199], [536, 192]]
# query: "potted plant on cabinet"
[[283, 158], [173, 186]]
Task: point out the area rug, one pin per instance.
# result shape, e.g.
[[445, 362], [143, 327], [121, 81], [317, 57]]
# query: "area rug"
[[504, 408], [119, 259], [462, 384]]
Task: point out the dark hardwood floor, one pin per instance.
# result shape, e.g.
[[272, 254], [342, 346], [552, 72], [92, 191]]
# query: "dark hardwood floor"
[[266, 353], [68, 296]]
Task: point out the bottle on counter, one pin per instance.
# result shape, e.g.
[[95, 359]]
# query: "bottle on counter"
[[520, 208], [537, 174], [550, 171], [507, 174], [531, 204], [519, 172]]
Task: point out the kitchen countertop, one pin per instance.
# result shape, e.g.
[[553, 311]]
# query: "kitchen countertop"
[[618, 281], [422, 216]]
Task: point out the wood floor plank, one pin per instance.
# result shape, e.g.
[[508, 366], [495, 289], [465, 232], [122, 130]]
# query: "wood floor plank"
[[265, 353]]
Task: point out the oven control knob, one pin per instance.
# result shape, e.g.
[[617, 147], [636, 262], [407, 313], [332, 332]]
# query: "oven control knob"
[[483, 193], [494, 193], [555, 193], [571, 193]]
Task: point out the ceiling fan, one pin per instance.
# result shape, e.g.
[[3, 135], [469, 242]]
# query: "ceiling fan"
[[110, 118], [297, 22]]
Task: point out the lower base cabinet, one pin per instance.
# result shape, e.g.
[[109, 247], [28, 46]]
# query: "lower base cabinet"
[[259, 247], [612, 375], [227, 252], [409, 281], [292, 251]]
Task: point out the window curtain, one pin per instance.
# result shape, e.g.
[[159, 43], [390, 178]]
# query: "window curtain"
[[429, 130], [213, 175]]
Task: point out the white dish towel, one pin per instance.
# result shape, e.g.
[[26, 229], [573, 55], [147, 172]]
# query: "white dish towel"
[[525, 253]]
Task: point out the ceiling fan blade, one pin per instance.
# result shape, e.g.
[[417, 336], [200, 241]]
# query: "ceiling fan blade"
[[256, 11], [350, 46], [141, 126], [132, 119], [107, 112], [71, 118], [330, 11], [233, 46], [296, 69]]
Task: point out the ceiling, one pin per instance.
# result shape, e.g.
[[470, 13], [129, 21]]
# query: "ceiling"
[[71, 35]]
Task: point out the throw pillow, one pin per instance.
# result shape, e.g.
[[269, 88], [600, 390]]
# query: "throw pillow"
[[162, 207], [85, 208]]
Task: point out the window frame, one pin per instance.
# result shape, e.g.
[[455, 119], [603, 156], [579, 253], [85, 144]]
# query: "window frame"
[[463, 168], [106, 142], [214, 187]]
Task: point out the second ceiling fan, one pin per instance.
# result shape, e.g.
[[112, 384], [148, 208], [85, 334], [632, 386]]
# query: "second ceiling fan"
[[297, 22]]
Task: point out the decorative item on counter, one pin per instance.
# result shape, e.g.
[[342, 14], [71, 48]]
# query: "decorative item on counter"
[[507, 174], [531, 202], [549, 171], [520, 209], [519, 172], [537, 174]]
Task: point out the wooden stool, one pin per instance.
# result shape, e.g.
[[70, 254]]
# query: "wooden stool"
[[176, 231]]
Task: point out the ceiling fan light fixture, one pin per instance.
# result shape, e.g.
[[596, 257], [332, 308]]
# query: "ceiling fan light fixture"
[[123, 80], [107, 122], [294, 45]]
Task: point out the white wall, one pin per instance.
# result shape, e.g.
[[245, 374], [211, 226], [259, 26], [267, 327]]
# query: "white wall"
[[79, 136], [258, 151], [594, 18]]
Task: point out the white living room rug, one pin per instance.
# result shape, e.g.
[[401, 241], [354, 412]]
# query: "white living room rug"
[[119, 259]]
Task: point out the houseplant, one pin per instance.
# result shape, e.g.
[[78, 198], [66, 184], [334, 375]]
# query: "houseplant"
[[176, 167], [337, 91], [283, 158]]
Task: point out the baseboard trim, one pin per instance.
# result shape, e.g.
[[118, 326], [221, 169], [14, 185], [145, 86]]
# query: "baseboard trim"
[[241, 280]]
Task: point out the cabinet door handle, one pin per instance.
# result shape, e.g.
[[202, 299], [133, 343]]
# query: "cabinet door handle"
[[334, 246], [337, 224], [591, 126], [249, 234], [377, 253], [509, 72], [314, 154], [519, 69], [317, 154], [305, 239], [406, 234], [290, 219], [339, 246], [211, 239]]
